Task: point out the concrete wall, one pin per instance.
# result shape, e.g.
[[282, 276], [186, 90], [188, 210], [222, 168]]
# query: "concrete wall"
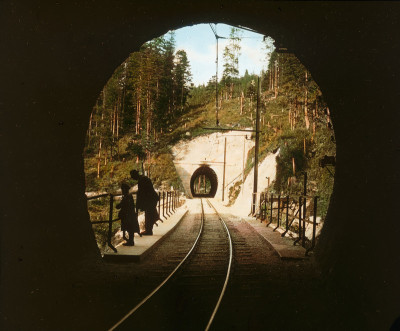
[[57, 56], [209, 149]]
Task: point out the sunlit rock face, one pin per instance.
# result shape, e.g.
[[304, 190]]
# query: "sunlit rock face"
[[208, 150], [266, 170]]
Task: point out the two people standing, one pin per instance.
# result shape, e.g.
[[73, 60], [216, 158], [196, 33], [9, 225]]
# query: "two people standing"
[[147, 199]]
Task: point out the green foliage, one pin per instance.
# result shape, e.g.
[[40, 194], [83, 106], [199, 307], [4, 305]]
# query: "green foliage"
[[182, 78], [144, 95], [138, 105], [149, 104], [234, 191], [163, 172], [290, 91], [136, 149], [291, 150], [231, 57]]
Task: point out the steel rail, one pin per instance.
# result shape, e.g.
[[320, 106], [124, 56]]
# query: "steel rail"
[[229, 268], [166, 279]]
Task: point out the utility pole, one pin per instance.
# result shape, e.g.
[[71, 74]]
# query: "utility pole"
[[244, 150], [223, 176], [216, 88], [253, 209], [214, 30]]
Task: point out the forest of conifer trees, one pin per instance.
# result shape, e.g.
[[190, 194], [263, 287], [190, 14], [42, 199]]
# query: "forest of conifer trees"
[[150, 103], [142, 98]]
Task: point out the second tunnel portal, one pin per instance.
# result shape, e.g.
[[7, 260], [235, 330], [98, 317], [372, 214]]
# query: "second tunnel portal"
[[207, 178]]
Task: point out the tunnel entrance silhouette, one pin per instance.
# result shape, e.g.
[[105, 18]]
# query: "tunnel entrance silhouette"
[[204, 182]]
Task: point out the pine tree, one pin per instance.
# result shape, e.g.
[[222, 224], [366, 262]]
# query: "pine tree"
[[142, 98], [231, 61], [183, 78]]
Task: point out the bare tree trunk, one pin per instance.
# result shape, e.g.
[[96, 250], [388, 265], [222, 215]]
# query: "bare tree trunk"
[[114, 120], [148, 119], [122, 104], [98, 159], [118, 124], [276, 78], [138, 113], [182, 100], [279, 75], [97, 110], [306, 119], [314, 124], [271, 83], [90, 127], [293, 166], [328, 118], [241, 102], [117, 133], [138, 110]]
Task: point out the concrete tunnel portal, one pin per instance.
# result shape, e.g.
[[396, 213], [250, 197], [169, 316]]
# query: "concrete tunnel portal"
[[208, 180]]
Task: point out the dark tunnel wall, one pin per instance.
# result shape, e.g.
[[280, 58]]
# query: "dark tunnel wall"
[[211, 175], [57, 56]]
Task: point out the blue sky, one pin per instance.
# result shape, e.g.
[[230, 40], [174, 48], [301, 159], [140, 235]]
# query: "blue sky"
[[199, 43]]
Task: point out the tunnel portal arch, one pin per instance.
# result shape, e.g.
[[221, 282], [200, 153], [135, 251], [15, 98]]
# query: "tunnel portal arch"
[[208, 173], [327, 37]]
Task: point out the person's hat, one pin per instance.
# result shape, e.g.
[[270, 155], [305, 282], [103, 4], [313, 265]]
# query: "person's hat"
[[134, 173]]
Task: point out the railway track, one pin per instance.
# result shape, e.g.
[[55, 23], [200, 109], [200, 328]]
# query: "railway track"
[[190, 296]]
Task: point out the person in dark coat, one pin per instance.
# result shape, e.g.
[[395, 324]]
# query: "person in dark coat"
[[129, 220], [147, 199]]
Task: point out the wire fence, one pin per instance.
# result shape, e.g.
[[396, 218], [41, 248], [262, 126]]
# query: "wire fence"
[[102, 211], [295, 215]]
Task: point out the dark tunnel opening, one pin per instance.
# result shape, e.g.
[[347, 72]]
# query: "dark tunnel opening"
[[204, 182], [351, 39]]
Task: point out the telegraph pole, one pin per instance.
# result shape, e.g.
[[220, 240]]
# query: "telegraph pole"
[[223, 176], [216, 88], [214, 30], [244, 150], [253, 208]]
